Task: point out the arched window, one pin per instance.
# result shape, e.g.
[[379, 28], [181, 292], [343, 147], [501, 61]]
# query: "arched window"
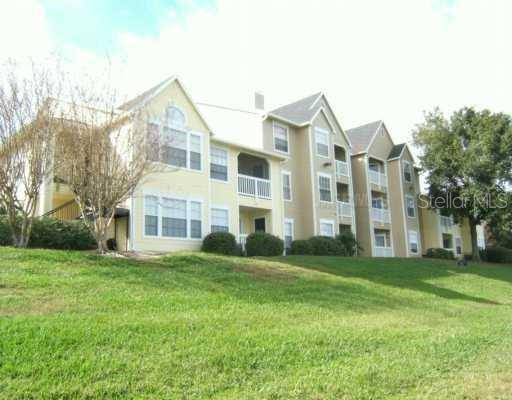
[[175, 117]]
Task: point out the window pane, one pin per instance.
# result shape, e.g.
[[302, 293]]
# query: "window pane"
[[218, 156], [380, 241], [219, 220], [325, 188], [195, 161], [151, 205], [195, 229], [411, 212], [174, 218], [326, 229], [219, 172], [175, 117], [280, 138], [407, 172], [287, 193], [195, 220], [322, 142], [150, 225]]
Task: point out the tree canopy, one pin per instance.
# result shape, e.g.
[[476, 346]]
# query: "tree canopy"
[[468, 160]]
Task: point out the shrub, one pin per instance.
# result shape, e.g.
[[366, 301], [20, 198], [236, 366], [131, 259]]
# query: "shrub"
[[497, 255], [263, 244], [51, 233], [348, 243], [220, 243], [301, 247], [326, 246], [440, 253]]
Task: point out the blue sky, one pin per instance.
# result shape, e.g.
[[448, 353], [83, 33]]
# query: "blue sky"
[[374, 59], [95, 24]]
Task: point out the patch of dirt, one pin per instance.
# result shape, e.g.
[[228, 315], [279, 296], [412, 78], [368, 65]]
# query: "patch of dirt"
[[264, 272]]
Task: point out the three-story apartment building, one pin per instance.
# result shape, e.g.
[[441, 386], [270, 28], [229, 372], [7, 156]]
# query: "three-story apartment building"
[[292, 171], [386, 186]]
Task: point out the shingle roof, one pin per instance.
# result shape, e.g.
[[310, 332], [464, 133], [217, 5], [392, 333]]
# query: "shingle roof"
[[299, 112], [361, 136], [396, 151], [145, 95]]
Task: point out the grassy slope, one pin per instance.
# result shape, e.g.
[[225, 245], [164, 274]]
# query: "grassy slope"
[[197, 326]]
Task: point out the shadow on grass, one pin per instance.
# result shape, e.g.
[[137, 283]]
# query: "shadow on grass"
[[401, 273]]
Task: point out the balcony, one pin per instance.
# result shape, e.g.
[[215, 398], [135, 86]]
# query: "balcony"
[[341, 168], [378, 178], [446, 223], [381, 215], [383, 251], [254, 187], [344, 209]]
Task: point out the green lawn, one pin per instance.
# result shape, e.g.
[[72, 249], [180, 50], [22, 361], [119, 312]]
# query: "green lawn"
[[73, 325]]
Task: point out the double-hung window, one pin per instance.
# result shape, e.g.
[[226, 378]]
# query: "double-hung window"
[[280, 138], [326, 228], [287, 185], [174, 218], [407, 171], [218, 164], [170, 142], [219, 220], [324, 184], [411, 208], [322, 142], [377, 202], [413, 242], [380, 240], [168, 217], [151, 215], [288, 233]]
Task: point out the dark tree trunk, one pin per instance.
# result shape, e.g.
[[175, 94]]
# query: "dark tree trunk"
[[474, 241]]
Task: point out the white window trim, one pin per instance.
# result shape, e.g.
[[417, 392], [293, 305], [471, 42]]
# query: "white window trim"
[[161, 122], [212, 206], [328, 222], [408, 196], [322, 174], [403, 172], [417, 241], [210, 161], [385, 240], [274, 125], [328, 134], [283, 172], [159, 196]]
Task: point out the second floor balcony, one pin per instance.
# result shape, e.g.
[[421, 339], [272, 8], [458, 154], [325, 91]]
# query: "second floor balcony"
[[378, 178], [253, 177], [344, 209]]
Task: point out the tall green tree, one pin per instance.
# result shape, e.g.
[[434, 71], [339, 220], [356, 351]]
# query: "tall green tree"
[[468, 160]]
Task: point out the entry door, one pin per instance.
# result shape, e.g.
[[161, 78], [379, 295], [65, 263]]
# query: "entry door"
[[259, 224]]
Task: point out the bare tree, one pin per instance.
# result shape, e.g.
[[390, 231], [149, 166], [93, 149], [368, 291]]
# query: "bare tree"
[[103, 152], [27, 131]]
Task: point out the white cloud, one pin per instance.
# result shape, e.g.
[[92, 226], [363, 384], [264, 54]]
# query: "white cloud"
[[375, 60]]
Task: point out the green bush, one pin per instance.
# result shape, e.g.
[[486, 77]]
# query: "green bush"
[[440, 253], [348, 243], [326, 246], [497, 255], [263, 244], [301, 248], [51, 233], [220, 243]]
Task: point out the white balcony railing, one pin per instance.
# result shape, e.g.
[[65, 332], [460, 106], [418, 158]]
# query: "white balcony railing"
[[446, 223], [381, 215], [383, 251], [344, 209], [378, 178], [254, 187], [341, 168]]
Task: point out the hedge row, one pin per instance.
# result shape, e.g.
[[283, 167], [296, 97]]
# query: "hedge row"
[[440, 253], [497, 255], [344, 244], [257, 244], [51, 233]]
